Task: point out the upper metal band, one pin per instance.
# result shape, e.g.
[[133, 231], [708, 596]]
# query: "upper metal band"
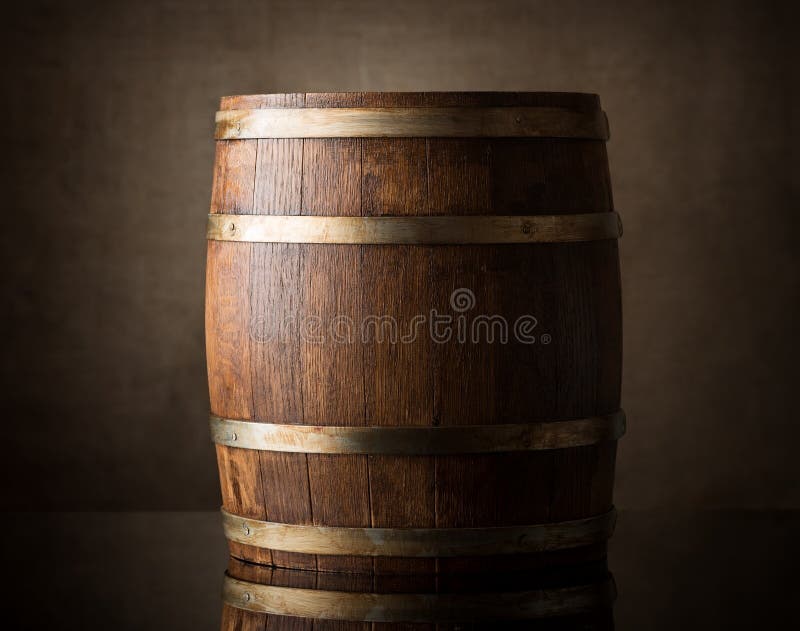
[[432, 608], [415, 230], [411, 122], [419, 542], [417, 440]]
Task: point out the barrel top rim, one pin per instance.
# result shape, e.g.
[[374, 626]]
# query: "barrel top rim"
[[468, 98]]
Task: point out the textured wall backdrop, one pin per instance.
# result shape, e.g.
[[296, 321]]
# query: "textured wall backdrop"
[[107, 114]]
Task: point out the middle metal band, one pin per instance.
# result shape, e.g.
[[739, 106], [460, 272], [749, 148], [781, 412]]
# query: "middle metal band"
[[418, 440], [435, 230]]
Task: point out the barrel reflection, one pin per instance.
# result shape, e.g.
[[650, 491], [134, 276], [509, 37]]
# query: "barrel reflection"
[[263, 597]]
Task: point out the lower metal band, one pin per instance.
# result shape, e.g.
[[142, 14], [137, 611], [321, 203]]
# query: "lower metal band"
[[417, 440], [439, 230], [419, 542], [432, 608]]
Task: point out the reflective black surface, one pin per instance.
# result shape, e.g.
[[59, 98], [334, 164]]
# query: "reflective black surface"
[[720, 569]]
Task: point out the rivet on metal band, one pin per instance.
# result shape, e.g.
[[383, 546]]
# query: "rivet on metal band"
[[418, 542], [432, 608], [411, 122], [441, 230], [417, 440]]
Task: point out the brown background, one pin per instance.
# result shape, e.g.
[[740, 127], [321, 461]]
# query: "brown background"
[[107, 125]]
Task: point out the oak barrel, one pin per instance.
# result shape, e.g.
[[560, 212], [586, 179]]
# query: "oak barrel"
[[413, 330]]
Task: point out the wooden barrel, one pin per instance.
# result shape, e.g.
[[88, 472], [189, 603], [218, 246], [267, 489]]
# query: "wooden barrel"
[[413, 330], [580, 598]]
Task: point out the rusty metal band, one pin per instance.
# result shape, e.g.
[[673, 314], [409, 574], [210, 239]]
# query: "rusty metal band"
[[411, 122], [418, 542], [439, 230], [417, 440], [432, 608]]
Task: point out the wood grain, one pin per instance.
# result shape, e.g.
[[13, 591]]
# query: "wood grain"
[[572, 289], [333, 379], [394, 183], [227, 338], [276, 362]]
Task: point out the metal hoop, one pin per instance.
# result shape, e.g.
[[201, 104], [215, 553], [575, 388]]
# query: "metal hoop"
[[411, 122], [417, 441], [419, 542], [414, 230]]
